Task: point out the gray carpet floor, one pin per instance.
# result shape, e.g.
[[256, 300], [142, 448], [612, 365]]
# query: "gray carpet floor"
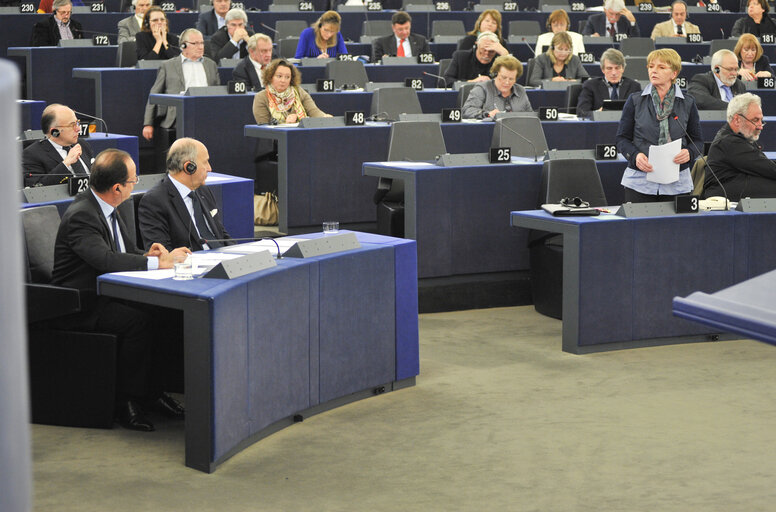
[[500, 419]]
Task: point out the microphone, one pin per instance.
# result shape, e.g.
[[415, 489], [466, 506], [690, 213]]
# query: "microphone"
[[444, 81], [723, 32], [504, 125], [224, 240], [529, 47], [673, 116], [268, 28], [104, 124]]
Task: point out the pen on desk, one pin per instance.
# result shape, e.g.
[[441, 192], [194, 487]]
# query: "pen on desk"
[[603, 210]]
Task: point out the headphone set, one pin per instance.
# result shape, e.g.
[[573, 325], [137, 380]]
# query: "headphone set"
[[716, 70], [55, 132], [184, 45], [190, 168], [574, 202]]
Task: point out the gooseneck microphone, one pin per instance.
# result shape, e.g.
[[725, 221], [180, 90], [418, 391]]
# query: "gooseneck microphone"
[[268, 28], [104, 124], [529, 46], [706, 162], [536, 155], [224, 240], [444, 80]]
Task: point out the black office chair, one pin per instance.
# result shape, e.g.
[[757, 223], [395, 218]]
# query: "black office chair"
[[560, 179], [524, 28], [505, 134], [447, 31], [126, 55], [286, 29], [347, 72], [373, 29], [463, 93], [413, 141], [637, 46], [287, 47], [389, 102], [72, 374], [529, 65], [572, 96], [637, 68]]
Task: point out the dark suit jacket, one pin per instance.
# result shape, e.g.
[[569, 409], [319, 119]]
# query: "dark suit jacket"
[[596, 24], [246, 72], [207, 23], [46, 33], [84, 246], [387, 46], [741, 166], [746, 25], [219, 46], [169, 80], [465, 66], [704, 89], [145, 47], [163, 217], [42, 158], [595, 91]]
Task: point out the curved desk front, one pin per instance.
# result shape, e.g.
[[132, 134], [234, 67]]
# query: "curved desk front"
[[266, 349]]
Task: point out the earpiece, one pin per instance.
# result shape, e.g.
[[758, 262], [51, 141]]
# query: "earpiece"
[[190, 168], [55, 133], [574, 202], [716, 70], [184, 45]]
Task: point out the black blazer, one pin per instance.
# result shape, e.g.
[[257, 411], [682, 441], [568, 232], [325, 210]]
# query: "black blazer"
[[207, 23], [84, 246], [41, 158], [761, 64], [704, 89], [387, 46], [741, 166], [595, 91], [145, 47], [246, 72], [746, 25], [219, 46], [465, 66], [163, 217], [596, 24], [46, 33]]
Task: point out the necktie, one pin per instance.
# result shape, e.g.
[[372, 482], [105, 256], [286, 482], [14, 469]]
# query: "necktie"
[[614, 92], [728, 93], [78, 168], [201, 221], [114, 221], [612, 31], [400, 49], [679, 30]]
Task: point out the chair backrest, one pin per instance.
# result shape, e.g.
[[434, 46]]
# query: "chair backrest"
[[289, 28], [529, 65], [40, 226], [698, 174], [126, 55], [416, 141], [393, 101], [571, 178], [581, 24], [287, 47], [637, 68], [505, 134], [637, 46], [347, 72], [572, 95], [376, 28], [405, 3], [721, 44], [447, 28], [524, 28], [463, 93]]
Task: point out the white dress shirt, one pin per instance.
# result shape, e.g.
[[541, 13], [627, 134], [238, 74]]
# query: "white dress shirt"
[[63, 154], [193, 73]]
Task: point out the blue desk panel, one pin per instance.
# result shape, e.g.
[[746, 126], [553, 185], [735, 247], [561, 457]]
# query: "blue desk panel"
[[745, 308], [621, 275], [31, 113], [288, 340]]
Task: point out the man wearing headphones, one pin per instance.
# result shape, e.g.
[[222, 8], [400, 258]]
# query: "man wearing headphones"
[[128, 27], [179, 211], [58, 26], [190, 69], [714, 89], [474, 65], [215, 18], [60, 154], [231, 40]]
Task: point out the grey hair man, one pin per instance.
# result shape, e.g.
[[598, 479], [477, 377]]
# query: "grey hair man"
[[714, 89], [251, 67], [615, 22], [231, 40], [611, 86]]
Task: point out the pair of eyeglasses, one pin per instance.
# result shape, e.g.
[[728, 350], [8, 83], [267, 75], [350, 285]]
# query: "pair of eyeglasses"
[[75, 123], [133, 182], [755, 122]]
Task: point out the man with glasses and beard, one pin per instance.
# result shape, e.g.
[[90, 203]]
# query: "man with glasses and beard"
[[736, 158], [714, 89]]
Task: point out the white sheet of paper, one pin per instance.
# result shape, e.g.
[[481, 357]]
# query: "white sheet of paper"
[[162, 273], [662, 160]]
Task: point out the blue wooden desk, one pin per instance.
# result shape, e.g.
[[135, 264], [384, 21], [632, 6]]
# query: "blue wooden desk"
[[296, 339], [621, 275], [31, 112]]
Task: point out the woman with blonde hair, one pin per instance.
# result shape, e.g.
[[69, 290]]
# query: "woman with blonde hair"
[[323, 40], [752, 63], [558, 63]]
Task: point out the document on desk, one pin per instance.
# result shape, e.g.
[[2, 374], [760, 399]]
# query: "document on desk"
[[662, 160], [284, 243], [162, 273]]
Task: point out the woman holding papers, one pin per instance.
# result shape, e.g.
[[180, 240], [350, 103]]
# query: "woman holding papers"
[[659, 115], [323, 40], [283, 101]]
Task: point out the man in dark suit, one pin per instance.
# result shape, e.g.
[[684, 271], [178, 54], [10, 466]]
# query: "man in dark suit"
[[179, 211], [58, 26], [210, 21], [402, 43], [713, 89], [251, 67], [474, 65], [128, 27], [231, 40], [170, 79], [612, 86], [615, 19], [60, 154], [94, 239]]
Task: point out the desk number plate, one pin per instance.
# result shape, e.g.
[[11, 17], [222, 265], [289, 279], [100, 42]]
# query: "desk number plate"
[[686, 204], [425, 58], [766, 82], [76, 185], [500, 155], [26, 8], [451, 115], [354, 118], [414, 83], [97, 7], [236, 87], [305, 7], [168, 6], [100, 40], [605, 152], [548, 113], [324, 85]]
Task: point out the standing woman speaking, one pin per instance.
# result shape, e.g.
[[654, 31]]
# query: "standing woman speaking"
[[323, 39], [660, 114]]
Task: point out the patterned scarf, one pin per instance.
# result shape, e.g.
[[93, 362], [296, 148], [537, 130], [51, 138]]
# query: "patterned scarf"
[[283, 104], [663, 110]]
